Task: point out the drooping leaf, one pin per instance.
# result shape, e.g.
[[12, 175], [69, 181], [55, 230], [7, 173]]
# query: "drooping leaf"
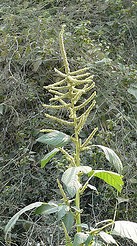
[[80, 238], [48, 156], [111, 178], [54, 138], [126, 229], [62, 211], [112, 157], [68, 220], [47, 208], [88, 241], [71, 180], [107, 238], [13, 220]]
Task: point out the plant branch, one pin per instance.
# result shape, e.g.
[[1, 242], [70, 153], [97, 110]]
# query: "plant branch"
[[59, 120], [68, 157], [63, 193], [89, 138], [86, 101], [63, 52]]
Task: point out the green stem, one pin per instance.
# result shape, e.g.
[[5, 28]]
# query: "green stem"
[[77, 154], [67, 237], [77, 122], [63, 193], [77, 160], [78, 215], [96, 231]]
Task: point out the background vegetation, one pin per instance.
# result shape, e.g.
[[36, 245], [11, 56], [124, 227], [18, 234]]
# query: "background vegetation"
[[100, 34]]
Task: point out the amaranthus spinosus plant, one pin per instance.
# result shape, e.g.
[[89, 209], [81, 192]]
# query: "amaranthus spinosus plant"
[[68, 94]]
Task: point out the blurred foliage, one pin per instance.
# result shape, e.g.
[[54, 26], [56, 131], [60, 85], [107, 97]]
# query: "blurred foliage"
[[100, 34]]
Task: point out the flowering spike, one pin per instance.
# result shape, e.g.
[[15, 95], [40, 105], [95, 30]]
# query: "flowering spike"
[[68, 95]]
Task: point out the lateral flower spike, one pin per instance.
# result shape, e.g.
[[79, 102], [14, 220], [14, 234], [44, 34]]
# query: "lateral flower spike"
[[68, 93]]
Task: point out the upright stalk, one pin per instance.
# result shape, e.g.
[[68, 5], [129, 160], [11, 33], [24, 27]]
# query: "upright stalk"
[[77, 161], [67, 94], [78, 215], [74, 117]]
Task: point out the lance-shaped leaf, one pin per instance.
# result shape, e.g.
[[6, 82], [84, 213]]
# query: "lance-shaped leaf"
[[111, 178], [112, 157], [71, 180], [54, 138], [48, 156], [51, 208], [47, 208], [80, 238], [13, 220], [62, 211], [89, 240], [126, 229], [107, 238], [68, 220]]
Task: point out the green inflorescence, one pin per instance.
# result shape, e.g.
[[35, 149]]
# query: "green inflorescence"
[[68, 94]]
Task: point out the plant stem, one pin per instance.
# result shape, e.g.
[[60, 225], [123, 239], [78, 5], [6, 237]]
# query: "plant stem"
[[68, 239], [74, 118], [77, 143], [62, 48], [78, 215], [77, 161]]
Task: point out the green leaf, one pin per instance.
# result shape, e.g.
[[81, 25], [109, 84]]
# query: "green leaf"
[[111, 178], [13, 220], [88, 241], [62, 211], [52, 207], [80, 238], [112, 158], [47, 208], [71, 180], [54, 138], [68, 220], [107, 238], [133, 90], [126, 229], [48, 156]]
